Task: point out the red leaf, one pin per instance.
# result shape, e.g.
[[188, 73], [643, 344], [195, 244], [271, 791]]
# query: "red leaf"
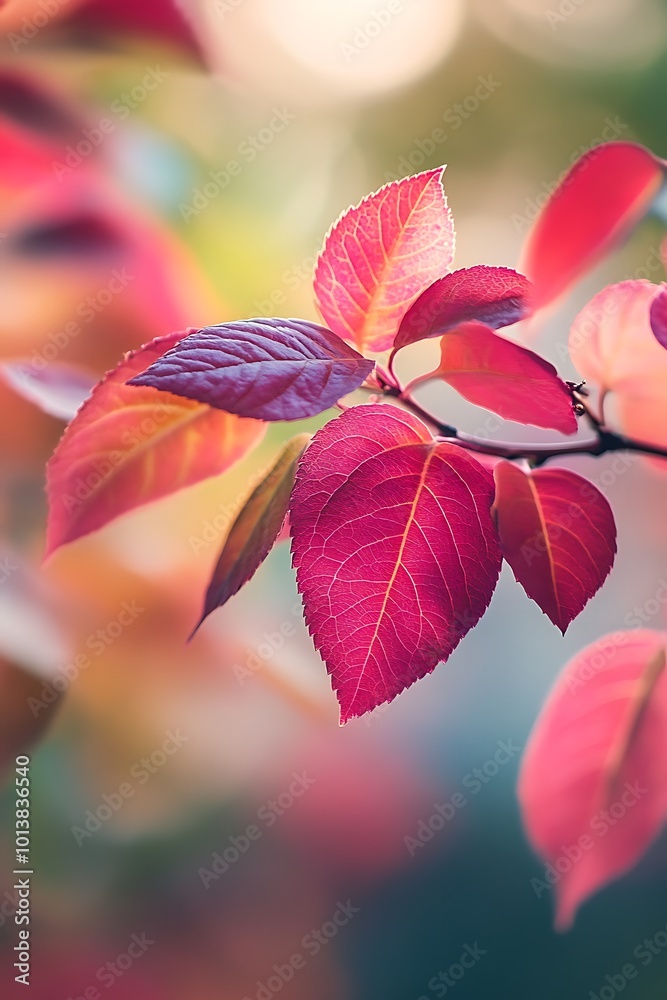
[[395, 550], [381, 255], [127, 447], [256, 528], [607, 191], [497, 296], [57, 389], [658, 316], [515, 383], [272, 369], [593, 784], [557, 532]]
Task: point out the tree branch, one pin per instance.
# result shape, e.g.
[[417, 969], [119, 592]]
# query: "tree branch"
[[605, 441]]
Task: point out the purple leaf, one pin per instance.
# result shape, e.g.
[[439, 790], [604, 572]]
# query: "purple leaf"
[[497, 296], [271, 369], [658, 316], [58, 390]]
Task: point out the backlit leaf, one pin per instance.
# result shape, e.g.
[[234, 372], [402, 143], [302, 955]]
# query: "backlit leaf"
[[514, 382], [593, 783], [395, 550], [127, 447], [557, 532], [595, 206], [381, 255]]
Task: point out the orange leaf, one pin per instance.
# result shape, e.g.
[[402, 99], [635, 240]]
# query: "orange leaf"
[[128, 446]]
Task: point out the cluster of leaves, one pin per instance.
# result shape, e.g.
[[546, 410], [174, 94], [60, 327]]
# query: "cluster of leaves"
[[399, 523]]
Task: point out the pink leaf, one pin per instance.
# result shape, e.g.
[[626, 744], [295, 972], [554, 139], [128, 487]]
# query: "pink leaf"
[[256, 528], [57, 389], [395, 550], [611, 341], [381, 255], [608, 190], [514, 382], [557, 532], [593, 784], [658, 316], [497, 296], [129, 446]]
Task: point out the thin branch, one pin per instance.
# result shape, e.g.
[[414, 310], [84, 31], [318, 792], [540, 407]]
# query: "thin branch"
[[537, 454]]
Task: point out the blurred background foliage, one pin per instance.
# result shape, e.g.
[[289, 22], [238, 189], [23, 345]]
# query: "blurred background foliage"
[[316, 102]]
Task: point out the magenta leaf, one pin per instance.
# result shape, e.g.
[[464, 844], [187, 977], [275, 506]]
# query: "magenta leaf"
[[504, 377], [395, 550], [658, 317], [381, 255], [497, 296], [256, 528], [558, 534], [270, 369], [593, 783]]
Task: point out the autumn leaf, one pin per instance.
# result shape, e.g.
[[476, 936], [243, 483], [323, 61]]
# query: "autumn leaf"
[[594, 207], [557, 532], [504, 377], [271, 369], [658, 316], [55, 388], [593, 782], [496, 296], [256, 529], [395, 550], [612, 344], [127, 447], [381, 255]]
